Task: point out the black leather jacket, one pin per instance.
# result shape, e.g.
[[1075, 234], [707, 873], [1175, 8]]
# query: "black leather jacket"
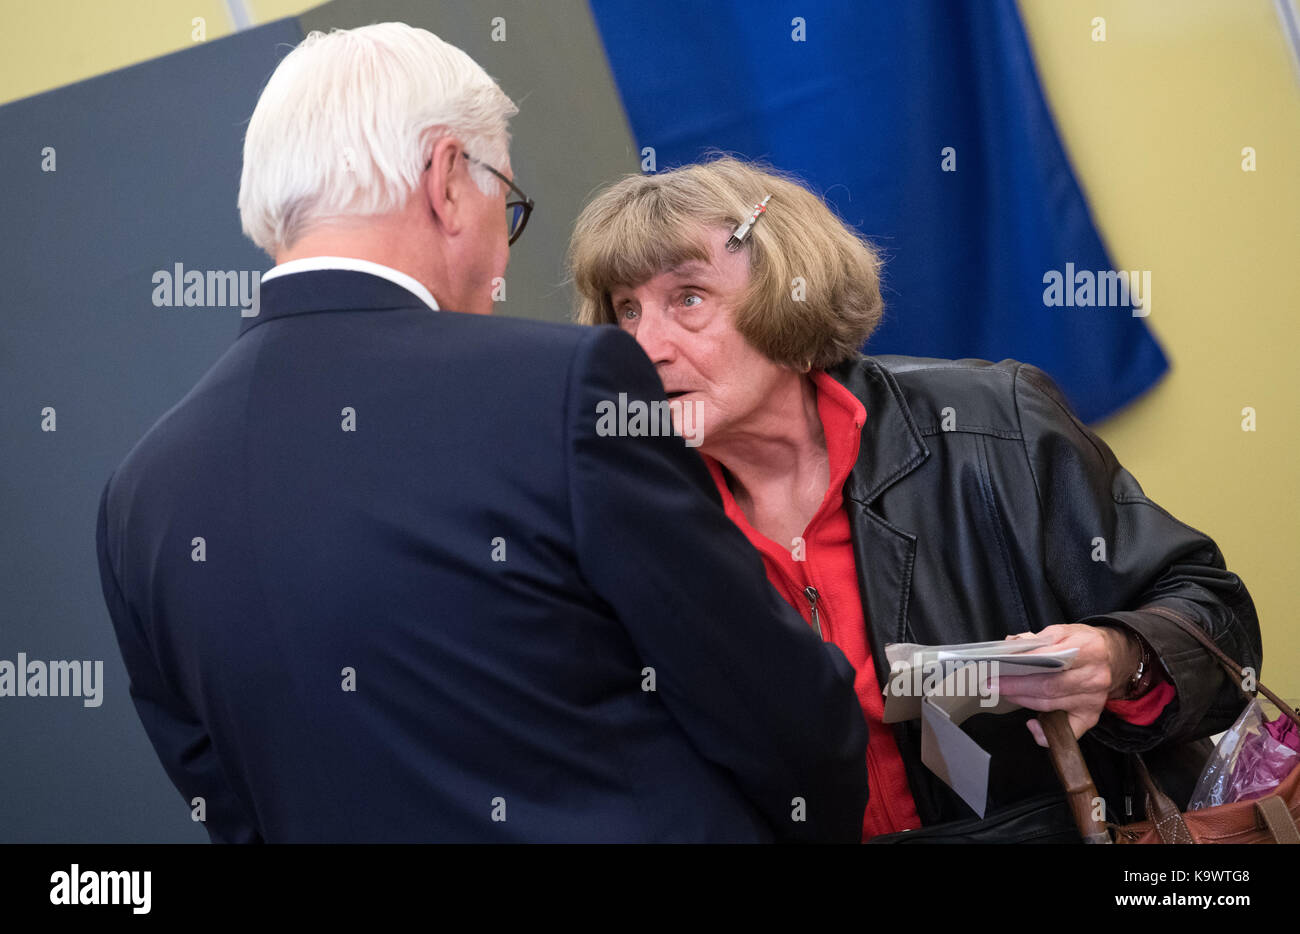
[[981, 521]]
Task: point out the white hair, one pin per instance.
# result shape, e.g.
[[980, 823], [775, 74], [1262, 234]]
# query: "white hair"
[[347, 122]]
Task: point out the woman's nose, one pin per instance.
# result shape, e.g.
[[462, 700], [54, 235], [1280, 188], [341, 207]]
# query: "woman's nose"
[[653, 334]]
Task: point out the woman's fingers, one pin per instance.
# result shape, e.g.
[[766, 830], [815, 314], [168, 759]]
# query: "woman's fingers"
[[1086, 680], [1080, 691], [1080, 723]]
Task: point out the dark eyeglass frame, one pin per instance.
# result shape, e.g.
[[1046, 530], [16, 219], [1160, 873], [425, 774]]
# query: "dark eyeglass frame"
[[523, 201]]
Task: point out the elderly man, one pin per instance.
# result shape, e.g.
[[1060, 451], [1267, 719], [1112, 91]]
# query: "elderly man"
[[378, 576]]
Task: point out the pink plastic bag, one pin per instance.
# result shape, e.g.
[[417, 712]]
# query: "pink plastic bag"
[[1250, 760]]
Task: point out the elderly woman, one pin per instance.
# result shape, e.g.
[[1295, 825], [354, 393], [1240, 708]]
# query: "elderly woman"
[[901, 499]]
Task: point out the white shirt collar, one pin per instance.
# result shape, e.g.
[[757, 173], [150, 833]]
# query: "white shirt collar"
[[312, 263]]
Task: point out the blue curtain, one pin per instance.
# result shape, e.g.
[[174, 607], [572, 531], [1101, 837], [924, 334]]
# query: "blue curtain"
[[862, 109]]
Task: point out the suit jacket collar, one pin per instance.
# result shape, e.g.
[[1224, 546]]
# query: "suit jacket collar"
[[892, 446], [329, 290]]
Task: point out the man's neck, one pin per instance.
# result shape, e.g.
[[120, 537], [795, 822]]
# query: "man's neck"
[[377, 243]]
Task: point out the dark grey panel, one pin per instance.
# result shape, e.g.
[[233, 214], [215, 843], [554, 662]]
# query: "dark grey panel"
[[148, 161], [147, 173], [570, 138]]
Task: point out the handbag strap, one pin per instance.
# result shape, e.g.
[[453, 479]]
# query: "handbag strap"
[[1161, 809], [1072, 770], [1233, 669], [1271, 812], [1276, 816]]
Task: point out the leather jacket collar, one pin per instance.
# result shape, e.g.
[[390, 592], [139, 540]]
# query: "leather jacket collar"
[[892, 446]]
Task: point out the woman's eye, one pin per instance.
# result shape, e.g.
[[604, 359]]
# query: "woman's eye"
[[628, 314]]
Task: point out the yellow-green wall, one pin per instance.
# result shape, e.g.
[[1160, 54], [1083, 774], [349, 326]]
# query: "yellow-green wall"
[[1154, 119], [51, 43]]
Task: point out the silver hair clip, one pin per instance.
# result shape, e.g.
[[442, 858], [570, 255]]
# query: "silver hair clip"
[[738, 238]]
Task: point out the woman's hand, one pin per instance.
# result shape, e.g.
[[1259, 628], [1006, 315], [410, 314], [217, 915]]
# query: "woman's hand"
[[1107, 658]]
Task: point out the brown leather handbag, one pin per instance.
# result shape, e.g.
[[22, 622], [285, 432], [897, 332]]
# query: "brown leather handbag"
[[1272, 819]]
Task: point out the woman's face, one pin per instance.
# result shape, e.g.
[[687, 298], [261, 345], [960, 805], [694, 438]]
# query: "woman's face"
[[683, 318]]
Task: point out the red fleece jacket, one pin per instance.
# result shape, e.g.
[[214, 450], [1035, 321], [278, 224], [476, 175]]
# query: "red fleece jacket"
[[825, 563]]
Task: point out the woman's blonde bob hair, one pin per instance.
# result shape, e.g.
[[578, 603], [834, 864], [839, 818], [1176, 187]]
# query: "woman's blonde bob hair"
[[814, 285]]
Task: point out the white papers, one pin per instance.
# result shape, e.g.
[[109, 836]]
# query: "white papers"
[[944, 685]]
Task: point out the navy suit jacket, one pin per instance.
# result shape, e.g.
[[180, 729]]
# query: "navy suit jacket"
[[378, 577]]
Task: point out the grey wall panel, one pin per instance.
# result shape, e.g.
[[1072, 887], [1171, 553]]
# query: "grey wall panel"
[[147, 163], [147, 172], [570, 137]]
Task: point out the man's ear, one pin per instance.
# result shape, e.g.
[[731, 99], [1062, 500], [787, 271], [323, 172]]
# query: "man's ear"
[[444, 184]]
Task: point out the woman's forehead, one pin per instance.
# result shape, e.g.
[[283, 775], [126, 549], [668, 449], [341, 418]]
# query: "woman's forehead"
[[704, 271]]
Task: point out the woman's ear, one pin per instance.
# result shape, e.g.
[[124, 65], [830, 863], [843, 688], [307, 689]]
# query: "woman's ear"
[[444, 181]]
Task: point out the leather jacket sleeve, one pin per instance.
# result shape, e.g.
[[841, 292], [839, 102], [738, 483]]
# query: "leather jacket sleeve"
[[1110, 554]]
